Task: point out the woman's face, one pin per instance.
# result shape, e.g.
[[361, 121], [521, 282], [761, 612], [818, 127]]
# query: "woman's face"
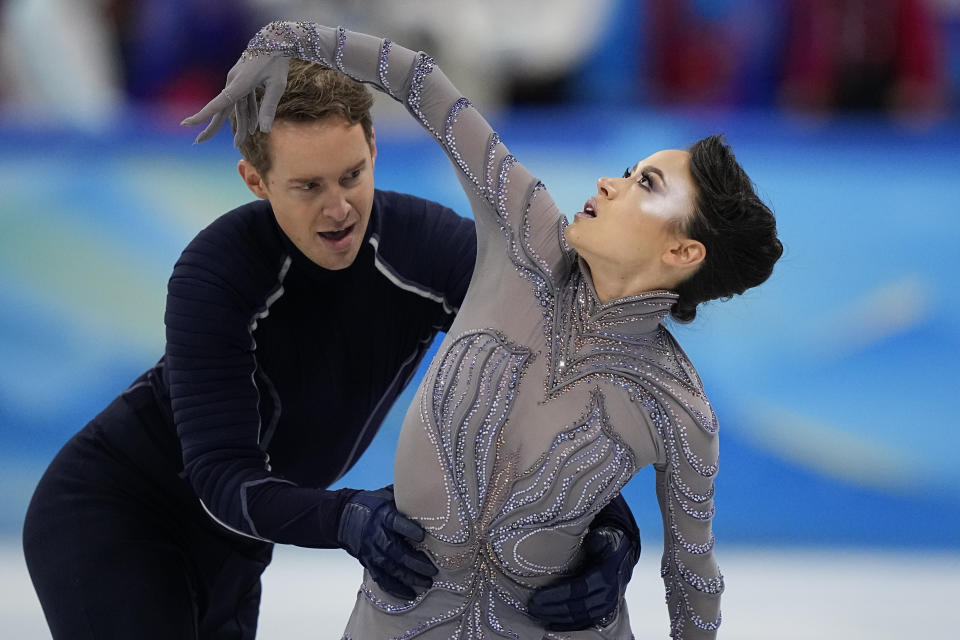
[[632, 220]]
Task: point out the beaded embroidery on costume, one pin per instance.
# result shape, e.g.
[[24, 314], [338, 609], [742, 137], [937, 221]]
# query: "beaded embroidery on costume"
[[495, 514]]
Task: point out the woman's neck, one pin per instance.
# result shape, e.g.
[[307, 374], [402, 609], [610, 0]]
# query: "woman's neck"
[[613, 284]]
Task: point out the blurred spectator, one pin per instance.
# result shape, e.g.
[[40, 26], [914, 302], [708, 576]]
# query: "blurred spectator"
[[813, 55], [712, 52], [58, 61], [495, 51], [79, 62], [176, 52], [950, 15], [864, 54]]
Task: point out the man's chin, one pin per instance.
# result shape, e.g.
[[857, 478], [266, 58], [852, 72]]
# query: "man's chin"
[[335, 260]]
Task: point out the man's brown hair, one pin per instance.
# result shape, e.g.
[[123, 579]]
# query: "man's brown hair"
[[313, 93]]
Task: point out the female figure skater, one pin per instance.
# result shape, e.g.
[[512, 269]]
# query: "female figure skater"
[[558, 379]]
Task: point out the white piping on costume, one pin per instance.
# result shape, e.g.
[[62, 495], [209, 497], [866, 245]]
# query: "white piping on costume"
[[273, 297], [243, 501], [251, 327], [394, 277], [275, 418], [228, 527]]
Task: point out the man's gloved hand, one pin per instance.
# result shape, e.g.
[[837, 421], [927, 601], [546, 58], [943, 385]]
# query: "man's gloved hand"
[[592, 597], [374, 532], [239, 99]]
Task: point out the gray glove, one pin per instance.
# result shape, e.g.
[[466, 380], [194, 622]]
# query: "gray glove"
[[239, 98]]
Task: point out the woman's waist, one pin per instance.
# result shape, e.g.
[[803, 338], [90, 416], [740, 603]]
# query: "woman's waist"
[[460, 591], [514, 565], [478, 600]]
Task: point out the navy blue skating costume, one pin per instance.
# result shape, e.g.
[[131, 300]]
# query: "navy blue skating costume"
[[276, 376]]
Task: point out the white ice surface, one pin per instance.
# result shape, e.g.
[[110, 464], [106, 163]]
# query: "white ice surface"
[[771, 593]]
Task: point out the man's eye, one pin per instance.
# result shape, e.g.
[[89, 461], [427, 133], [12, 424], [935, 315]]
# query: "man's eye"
[[307, 186]]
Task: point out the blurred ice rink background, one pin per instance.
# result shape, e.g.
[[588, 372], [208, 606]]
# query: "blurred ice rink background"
[[835, 382]]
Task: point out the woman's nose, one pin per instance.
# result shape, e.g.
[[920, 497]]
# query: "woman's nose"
[[605, 188]]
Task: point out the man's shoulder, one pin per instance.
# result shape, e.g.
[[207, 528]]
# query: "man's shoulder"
[[400, 216], [250, 222], [246, 234], [394, 204], [245, 218], [423, 244]]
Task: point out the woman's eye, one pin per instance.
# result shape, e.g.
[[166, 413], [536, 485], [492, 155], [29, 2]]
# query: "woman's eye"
[[627, 172], [644, 180], [307, 186]]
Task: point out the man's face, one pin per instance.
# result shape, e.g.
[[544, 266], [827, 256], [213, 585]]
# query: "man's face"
[[320, 185]]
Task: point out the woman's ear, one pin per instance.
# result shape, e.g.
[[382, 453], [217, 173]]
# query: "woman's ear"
[[684, 253]]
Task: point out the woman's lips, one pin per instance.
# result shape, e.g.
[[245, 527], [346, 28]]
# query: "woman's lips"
[[589, 209]]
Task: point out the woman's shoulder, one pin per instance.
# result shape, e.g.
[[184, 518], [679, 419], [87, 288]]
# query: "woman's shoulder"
[[661, 404]]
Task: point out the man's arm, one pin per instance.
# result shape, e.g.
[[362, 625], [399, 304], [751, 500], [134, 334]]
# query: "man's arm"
[[222, 286]]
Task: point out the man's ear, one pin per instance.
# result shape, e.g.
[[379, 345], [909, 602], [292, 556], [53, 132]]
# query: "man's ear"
[[373, 146], [252, 178], [685, 253]]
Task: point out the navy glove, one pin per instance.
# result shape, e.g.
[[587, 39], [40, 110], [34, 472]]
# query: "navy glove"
[[374, 532], [591, 598]]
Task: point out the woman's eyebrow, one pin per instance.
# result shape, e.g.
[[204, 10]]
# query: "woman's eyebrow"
[[652, 169]]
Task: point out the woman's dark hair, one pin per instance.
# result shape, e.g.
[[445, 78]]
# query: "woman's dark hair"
[[736, 227]]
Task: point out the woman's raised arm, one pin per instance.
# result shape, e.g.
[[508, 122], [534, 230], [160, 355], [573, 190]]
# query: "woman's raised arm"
[[504, 196]]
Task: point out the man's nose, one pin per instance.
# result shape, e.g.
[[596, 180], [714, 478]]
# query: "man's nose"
[[336, 208]]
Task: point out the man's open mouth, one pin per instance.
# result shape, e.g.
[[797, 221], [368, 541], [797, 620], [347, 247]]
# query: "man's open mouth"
[[334, 236]]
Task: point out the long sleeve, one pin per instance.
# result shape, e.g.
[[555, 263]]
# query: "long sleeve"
[[685, 491], [268, 412], [509, 204], [216, 295]]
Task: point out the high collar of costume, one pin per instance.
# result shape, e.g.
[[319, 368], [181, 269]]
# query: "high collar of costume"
[[315, 272], [632, 316]]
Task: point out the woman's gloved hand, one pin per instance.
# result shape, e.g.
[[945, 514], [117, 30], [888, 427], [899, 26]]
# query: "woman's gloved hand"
[[239, 98]]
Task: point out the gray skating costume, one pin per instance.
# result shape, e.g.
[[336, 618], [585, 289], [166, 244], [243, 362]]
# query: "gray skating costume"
[[542, 401]]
